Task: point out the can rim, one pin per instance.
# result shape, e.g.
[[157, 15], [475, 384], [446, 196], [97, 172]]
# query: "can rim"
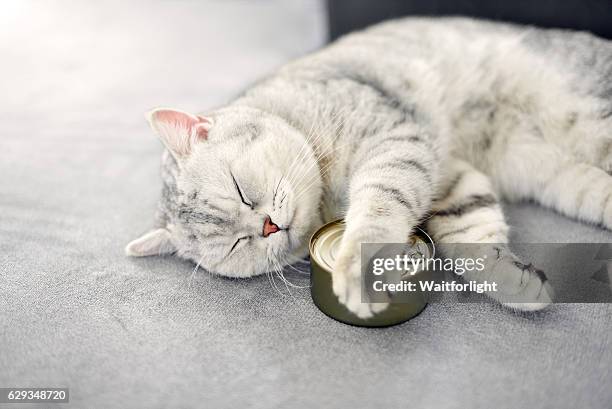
[[314, 237], [418, 231]]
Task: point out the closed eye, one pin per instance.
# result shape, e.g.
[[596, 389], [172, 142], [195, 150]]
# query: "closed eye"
[[242, 199], [238, 242]]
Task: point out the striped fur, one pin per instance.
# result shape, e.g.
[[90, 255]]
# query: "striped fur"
[[468, 211], [409, 120]]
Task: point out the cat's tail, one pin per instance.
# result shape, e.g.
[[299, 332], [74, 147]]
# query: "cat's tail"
[[468, 222]]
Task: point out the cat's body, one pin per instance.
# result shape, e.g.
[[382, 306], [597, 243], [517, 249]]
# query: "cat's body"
[[409, 120]]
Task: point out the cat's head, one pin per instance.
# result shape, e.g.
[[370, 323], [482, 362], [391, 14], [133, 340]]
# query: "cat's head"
[[241, 195]]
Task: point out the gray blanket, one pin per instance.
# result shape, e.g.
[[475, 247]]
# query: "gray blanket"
[[79, 179]]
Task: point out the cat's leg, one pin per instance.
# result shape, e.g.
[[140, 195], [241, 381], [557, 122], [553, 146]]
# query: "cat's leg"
[[589, 141], [555, 179], [596, 151], [467, 211], [392, 184]]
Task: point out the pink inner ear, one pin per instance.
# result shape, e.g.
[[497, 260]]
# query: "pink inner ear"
[[202, 129], [196, 125]]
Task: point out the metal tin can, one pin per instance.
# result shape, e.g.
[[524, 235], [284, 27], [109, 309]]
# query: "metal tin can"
[[324, 246]]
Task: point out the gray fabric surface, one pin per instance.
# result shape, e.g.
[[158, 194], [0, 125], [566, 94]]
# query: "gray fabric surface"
[[79, 179]]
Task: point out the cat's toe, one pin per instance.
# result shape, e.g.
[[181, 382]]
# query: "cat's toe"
[[542, 297], [362, 310], [378, 307], [529, 290], [359, 305]]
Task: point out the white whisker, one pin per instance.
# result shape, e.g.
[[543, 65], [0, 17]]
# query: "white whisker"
[[194, 271]]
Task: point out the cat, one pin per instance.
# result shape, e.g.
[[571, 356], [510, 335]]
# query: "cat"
[[415, 120]]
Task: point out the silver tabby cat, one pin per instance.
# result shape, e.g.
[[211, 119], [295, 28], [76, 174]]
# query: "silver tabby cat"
[[408, 121]]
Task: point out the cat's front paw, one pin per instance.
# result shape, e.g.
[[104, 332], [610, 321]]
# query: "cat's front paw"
[[347, 282]]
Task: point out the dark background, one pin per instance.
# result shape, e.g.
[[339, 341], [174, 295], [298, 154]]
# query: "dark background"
[[591, 15]]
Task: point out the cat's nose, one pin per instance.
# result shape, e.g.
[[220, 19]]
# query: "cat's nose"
[[269, 227]]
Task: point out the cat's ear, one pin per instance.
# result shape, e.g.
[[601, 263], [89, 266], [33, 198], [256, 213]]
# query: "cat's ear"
[[179, 130], [155, 242]]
